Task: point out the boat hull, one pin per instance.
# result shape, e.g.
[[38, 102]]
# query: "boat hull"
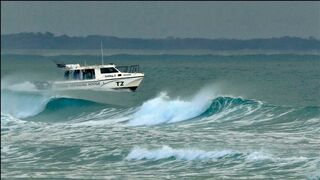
[[120, 83]]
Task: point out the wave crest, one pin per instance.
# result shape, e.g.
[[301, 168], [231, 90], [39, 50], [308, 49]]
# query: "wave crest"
[[163, 109], [25, 105], [166, 152]]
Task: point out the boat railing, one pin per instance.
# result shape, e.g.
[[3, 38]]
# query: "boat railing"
[[129, 69]]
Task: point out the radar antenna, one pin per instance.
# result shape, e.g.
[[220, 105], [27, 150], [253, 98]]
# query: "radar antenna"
[[101, 53]]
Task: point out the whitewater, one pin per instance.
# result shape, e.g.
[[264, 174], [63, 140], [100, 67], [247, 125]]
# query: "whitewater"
[[234, 117]]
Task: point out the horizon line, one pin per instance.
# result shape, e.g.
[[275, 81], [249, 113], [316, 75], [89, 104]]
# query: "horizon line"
[[167, 37]]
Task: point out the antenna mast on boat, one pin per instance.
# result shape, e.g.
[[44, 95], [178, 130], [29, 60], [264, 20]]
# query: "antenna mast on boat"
[[101, 53]]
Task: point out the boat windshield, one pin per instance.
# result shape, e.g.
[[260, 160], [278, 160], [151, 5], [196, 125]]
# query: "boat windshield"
[[108, 70], [129, 69]]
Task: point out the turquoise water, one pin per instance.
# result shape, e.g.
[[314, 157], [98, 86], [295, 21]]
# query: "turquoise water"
[[194, 116]]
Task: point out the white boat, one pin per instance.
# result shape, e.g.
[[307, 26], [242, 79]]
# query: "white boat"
[[96, 77]]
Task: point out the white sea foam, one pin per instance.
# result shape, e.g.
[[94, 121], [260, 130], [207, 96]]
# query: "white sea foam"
[[21, 100], [7, 118], [164, 109], [24, 105], [257, 156], [192, 154], [165, 152], [26, 86], [314, 175], [12, 123]]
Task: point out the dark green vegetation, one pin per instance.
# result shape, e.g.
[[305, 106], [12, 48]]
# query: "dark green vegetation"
[[50, 41]]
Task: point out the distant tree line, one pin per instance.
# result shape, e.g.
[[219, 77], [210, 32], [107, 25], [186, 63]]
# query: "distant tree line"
[[50, 41]]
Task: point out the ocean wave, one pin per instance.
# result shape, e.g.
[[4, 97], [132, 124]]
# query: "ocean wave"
[[163, 109], [7, 120], [314, 176], [9, 123], [217, 108], [195, 154], [191, 154], [138, 153], [21, 105], [206, 105], [25, 105], [258, 155], [159, 110]]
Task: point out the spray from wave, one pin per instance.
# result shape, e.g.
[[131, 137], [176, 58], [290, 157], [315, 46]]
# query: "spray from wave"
[[163, 109], [23, 105], [26, 86]]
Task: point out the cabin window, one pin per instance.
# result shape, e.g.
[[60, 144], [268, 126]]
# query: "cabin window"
[[76, 74], [67, 75], [80, 74], [88, 74], [108, 70]]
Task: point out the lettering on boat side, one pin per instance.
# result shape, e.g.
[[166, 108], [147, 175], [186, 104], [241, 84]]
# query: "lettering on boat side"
[[120, 83], [97, 83], [109, 75]]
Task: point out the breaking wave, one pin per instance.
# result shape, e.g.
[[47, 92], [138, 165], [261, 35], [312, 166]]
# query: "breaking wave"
[[166, 152], [205, 105], [195, 154], [163, 109], [26, 105]]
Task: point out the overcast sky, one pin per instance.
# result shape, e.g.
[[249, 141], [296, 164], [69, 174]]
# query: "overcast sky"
[[241, 20]]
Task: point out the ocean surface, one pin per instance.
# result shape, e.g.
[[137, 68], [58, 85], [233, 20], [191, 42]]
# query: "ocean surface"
[[254, 116]]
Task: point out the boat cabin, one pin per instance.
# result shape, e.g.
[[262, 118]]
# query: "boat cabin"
[[77, 72]]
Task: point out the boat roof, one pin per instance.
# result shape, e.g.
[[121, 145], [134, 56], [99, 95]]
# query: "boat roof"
[[78, 67]]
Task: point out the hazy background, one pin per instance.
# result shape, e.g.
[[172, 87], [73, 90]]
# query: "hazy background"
[[240, 20]]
